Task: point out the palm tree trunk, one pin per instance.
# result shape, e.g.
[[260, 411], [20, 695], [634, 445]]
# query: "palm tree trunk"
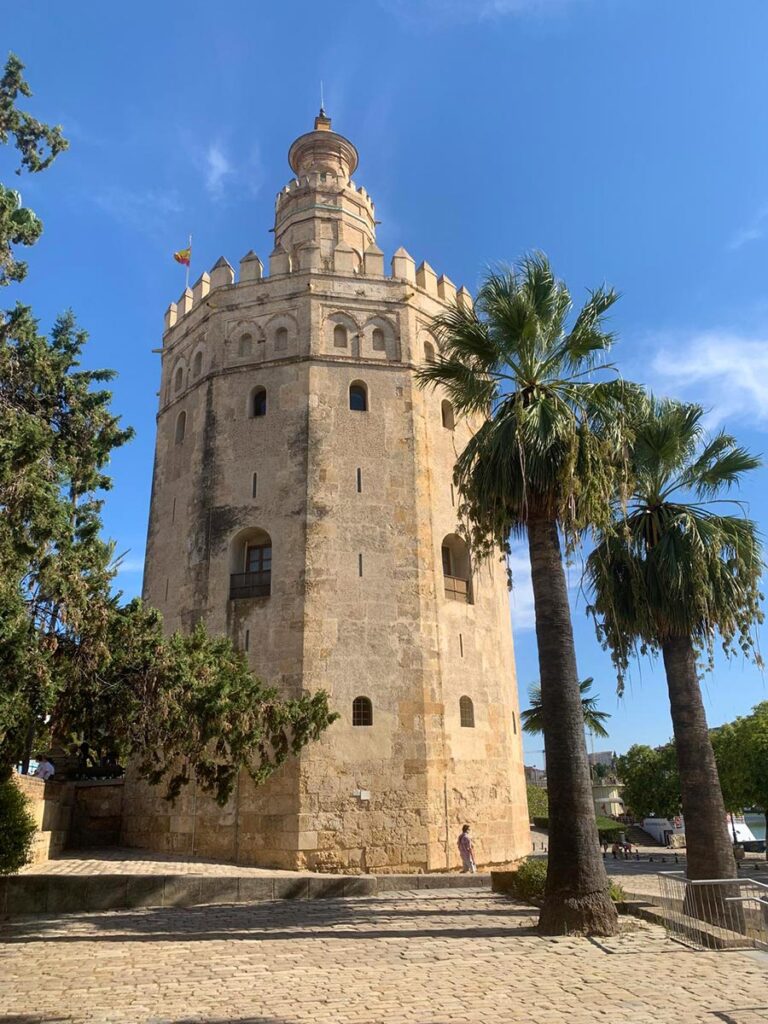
[[708, 845], [577, 897], [709, 852]]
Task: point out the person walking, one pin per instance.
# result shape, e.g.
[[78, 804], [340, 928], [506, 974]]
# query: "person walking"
[[467, 851]]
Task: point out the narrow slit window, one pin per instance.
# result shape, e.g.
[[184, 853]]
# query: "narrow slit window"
[[461, 645], [360, 565], [514, 723], [166, 588], [254, 484], [359, 476], [173, 512], [453, 496], [247, 639]]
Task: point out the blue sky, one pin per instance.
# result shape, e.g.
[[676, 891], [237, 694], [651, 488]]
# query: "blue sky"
[[625, 138]]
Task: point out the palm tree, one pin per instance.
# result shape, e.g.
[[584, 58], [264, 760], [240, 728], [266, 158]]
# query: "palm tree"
[[671, 572], [541, 463], [533, 721]]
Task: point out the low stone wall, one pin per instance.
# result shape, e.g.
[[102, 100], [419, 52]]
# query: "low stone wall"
[[50, 804], [72, 815], [68, 894]]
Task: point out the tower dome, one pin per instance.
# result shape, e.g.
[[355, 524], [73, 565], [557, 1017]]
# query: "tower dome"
[[323, 150]]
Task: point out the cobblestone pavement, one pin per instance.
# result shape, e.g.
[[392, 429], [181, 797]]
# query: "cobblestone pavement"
[[433, 958]]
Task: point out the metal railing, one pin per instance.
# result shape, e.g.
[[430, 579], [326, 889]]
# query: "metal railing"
[[456, 589], [715, 913], [250, 584]]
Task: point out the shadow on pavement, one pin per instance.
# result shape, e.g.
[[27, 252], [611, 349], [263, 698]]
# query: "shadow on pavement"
[[342, 919]]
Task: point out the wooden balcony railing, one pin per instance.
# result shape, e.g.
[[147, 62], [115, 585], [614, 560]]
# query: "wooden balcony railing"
[[457, 589], [249, 584]]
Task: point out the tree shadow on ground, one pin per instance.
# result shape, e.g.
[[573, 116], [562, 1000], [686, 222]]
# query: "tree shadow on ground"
[[284, 920]]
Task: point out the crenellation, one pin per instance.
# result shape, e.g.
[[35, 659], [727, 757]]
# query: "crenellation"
[[170, 316], [373, 261], [404, 265], [279, 261], [184, 304], [251, 268], [464, 299], [446, 290], [426, 278], [222, 274], [200, 288]]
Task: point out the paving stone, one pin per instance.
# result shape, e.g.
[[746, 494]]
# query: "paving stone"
[[422, 957]]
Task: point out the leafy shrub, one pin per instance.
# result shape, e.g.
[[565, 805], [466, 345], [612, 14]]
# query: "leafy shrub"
[[17, 828], [528, 882]]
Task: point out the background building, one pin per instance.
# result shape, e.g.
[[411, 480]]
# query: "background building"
[[303, 503]]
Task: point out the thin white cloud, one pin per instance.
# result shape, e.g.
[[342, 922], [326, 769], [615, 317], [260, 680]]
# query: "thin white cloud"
[[142, 210], [130, 566], [440, 12], [724, 371], [217, 169], [752, 232]]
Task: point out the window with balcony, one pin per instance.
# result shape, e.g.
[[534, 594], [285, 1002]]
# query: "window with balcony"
[[251, 565], [457, 575]]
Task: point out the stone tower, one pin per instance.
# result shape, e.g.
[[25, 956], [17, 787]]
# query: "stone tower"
[[302, 502]]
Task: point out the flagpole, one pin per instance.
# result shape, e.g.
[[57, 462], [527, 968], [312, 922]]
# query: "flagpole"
[[186, 278]]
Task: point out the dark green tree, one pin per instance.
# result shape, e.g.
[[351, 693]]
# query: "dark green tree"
[[651, 781], [38, 144], [544, 463], [673, 570]]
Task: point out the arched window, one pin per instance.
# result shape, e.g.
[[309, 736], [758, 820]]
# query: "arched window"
[[377, 338], [181, 427], [429, 352], [178, 380], [197, 364], [447, 413], [457, 572], [281, 338], [466, 713], [340, 336], [362, 711], [244, 346], [251, 565], [358, 396], [259, 402]]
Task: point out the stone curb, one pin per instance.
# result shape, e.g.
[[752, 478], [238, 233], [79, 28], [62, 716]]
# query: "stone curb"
[[22, 895]]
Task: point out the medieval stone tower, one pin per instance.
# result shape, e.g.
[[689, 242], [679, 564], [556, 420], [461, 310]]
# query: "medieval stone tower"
[[302, 503]]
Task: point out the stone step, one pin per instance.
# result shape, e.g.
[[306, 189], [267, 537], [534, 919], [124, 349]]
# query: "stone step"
[[69, 894]]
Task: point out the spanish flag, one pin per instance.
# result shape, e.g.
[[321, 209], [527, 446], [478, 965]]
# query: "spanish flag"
[[183, 256]]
